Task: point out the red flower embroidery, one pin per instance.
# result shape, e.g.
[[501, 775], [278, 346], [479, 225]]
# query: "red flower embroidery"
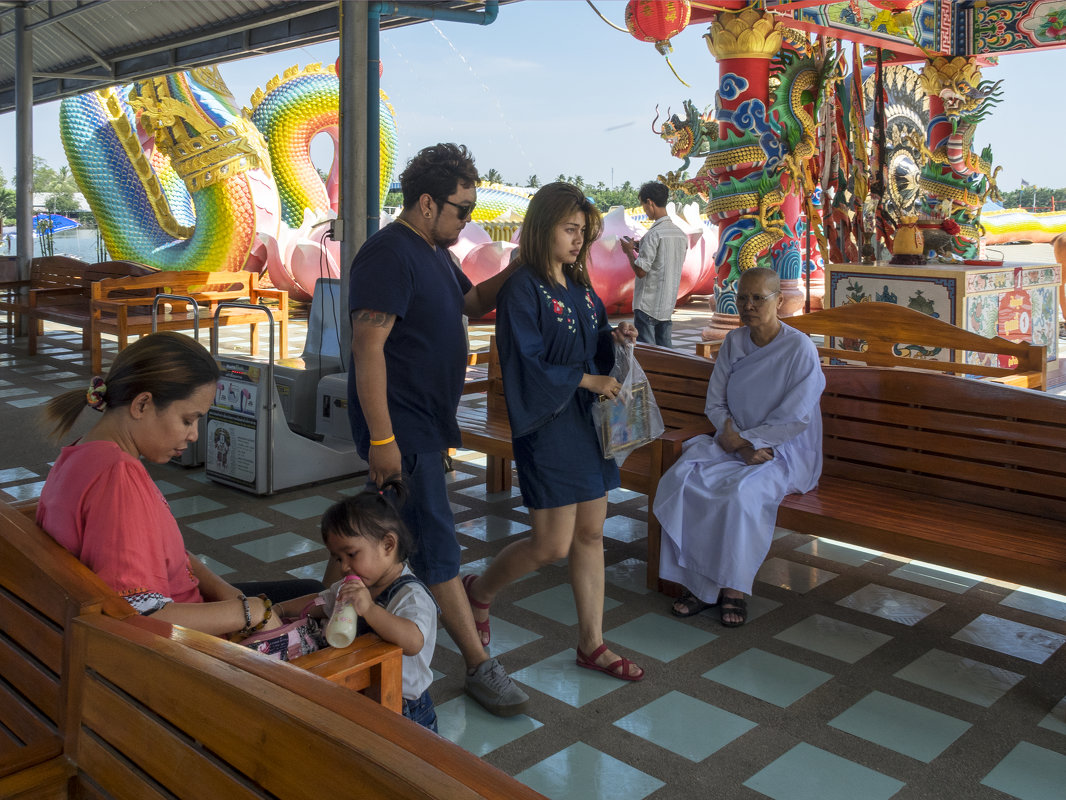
[[557, 307]]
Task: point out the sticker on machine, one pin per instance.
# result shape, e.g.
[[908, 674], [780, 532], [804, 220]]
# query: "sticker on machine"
[[231, 449]]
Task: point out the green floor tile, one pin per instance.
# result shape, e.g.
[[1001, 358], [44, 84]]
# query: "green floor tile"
[[769, 677], [463, 721], [808, 773], [581, 772], [1030, 773], [684, 725], [899, 725], [661, 637], [834, 638]]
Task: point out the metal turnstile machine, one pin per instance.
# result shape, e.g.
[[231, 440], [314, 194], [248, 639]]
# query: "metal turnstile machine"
[[276, 425]]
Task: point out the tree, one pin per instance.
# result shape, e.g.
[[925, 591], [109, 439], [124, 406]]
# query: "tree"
[[7, 204], [492, 176], [44, 177], [625, 196], [533, 182], [1023, 198], [62, 202]]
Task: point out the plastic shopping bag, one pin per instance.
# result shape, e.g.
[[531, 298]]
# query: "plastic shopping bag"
[[632, 419]]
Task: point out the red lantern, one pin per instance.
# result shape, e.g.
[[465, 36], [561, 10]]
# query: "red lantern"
[[657, 21]]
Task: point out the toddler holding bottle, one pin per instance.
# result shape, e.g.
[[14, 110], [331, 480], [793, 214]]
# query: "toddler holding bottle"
[[368, 539]]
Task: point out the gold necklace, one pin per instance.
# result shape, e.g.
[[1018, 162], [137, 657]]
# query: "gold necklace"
[[421, 235]]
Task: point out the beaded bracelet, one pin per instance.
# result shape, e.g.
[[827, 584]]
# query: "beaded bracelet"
[[266, 615], [247, 614]]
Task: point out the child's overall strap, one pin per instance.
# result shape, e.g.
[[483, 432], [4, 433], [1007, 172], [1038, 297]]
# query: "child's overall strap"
[[388, 594]]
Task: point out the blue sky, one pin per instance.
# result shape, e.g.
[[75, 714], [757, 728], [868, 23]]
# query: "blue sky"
[[551, 89]]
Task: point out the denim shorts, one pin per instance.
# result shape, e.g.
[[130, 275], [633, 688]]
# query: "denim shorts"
[[421, 710], [428, 515]]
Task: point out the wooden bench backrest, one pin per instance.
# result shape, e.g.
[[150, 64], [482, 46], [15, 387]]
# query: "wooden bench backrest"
[[42, 588], [103, 270], [58, 272], [679, 381], [177, 715], [946, 436], [888, 330], [183, 282]]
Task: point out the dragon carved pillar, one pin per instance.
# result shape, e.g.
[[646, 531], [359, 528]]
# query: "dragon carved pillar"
[[744, 177], [955, 181]]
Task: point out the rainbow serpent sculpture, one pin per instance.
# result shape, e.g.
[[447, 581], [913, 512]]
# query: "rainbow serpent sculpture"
[[180, 178]]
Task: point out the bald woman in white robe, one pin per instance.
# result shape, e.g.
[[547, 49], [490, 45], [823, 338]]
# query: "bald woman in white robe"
[[718, 504]]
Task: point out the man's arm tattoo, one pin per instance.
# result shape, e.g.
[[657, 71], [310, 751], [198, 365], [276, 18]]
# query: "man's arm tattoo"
[[378, 319]]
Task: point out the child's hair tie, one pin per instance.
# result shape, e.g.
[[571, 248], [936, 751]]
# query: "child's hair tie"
[[95, 395]]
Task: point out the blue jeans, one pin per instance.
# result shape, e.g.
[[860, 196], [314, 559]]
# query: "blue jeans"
[[651, 330], [421, 710]]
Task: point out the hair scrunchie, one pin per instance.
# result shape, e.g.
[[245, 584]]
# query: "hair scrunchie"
[[95, 395]]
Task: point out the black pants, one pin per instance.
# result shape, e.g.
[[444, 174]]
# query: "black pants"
[[280, 591]]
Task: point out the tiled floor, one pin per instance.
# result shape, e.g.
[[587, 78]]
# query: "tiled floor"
[[859, 675]]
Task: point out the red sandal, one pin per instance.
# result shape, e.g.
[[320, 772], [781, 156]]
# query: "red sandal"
[[617, 669], [483, 630]]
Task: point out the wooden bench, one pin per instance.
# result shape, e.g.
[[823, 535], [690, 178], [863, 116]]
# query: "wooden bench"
[[123, 306], [961, 473], [42, 589], [888, 335], [58, 290], [158, 711], [679, 383]]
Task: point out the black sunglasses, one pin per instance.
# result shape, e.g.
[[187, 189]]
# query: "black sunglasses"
[[462, 211]]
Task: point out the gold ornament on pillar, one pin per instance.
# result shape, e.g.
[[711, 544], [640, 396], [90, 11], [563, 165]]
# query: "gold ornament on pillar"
[[749, 34], [959, 74]]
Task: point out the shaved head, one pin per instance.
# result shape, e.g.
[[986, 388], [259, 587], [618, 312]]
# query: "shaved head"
[[750, 278]]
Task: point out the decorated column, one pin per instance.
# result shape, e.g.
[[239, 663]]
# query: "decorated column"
[[955, 181], [756, 167]]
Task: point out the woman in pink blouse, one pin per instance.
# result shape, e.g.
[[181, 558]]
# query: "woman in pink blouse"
[[100, 503]]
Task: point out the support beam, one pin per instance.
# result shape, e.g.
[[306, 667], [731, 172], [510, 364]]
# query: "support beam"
[[352, 211], [23, 144]]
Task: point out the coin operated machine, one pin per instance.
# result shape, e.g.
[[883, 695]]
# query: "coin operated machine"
[[266, 430]]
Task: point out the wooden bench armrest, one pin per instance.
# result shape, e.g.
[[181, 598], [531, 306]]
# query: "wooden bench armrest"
[[119, 308], [281, 295], [686, 433], [1024, 380], [368, 663], [672, 441]]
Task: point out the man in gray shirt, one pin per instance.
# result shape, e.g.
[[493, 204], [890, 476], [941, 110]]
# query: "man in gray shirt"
[[657, 262]]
